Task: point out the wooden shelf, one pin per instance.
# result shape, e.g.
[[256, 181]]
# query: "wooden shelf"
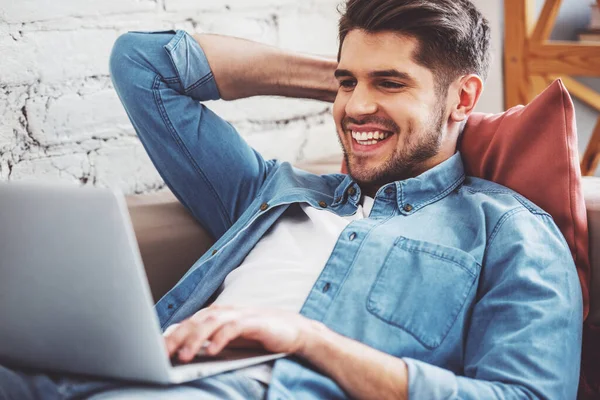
[[532, 61]]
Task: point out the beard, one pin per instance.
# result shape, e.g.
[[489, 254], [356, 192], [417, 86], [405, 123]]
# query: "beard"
[[405, 162]]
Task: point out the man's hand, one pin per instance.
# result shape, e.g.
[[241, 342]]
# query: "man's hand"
[[213, 328], [363, 372]]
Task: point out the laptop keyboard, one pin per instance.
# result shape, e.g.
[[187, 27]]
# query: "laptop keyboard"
[[224, 355]]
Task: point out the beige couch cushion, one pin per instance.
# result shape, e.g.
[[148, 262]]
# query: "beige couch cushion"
[[169, 238]]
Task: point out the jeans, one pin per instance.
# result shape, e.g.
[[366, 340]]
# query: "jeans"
[[26, 385]]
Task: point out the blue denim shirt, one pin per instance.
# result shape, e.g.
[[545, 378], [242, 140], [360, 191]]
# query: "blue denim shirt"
[[472, 285]]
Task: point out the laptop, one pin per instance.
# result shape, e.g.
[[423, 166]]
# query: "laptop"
[[74, 296]]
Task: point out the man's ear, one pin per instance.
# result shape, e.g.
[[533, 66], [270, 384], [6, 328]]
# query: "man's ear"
[[468, 91]]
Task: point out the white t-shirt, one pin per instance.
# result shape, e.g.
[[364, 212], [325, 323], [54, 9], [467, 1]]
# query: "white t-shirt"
[[282, 268]]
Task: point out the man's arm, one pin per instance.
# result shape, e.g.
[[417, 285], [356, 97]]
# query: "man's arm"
[[163, 80], [363, 372], [243, 68]]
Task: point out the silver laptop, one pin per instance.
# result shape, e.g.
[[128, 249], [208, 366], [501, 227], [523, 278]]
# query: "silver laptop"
[[74, 296]]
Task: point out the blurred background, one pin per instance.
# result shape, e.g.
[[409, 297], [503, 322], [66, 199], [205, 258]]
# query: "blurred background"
[[60, 119]]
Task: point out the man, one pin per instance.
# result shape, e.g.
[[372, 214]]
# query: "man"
[[403, 279]]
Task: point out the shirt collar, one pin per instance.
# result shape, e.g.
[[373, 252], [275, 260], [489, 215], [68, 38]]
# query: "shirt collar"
[[347, 190], [414, 193]]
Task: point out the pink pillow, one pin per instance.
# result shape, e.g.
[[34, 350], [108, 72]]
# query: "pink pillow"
[[533, 150]]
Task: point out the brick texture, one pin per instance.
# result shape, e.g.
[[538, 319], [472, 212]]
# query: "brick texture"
[[60, 119]]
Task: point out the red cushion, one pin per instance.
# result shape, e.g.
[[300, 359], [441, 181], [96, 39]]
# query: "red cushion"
[[533, 150]]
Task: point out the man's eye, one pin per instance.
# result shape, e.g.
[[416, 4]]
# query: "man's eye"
[[391, 85], [347, 84]]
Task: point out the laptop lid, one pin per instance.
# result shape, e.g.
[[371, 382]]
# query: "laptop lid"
[[73, 292]]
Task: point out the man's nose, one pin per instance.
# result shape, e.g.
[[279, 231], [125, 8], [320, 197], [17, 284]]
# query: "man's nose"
[[361, 103]]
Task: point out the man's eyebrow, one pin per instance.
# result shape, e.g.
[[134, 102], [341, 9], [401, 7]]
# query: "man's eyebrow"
[[342, 72], [386, 73], [391, 73]]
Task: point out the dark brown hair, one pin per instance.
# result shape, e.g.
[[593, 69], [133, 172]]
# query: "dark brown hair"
[[453, 36]]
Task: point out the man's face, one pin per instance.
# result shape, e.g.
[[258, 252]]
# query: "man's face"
[[390, 119]]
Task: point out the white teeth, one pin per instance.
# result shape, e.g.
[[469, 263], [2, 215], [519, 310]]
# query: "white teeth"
[[367, 142], [369, 135], [369, 138]]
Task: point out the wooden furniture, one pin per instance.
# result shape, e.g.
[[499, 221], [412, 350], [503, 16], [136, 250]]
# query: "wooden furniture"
[[532, 61]]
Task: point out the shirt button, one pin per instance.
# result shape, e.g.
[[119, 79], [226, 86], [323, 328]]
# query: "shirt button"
[[170, 306], [326, 287], [352, 236], [323, 204], [389, 190], [264, 206], [351, 191], [214, 252], [408, 208]]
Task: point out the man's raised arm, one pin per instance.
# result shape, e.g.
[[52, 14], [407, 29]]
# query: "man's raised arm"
[[243, 68], [163, 80]]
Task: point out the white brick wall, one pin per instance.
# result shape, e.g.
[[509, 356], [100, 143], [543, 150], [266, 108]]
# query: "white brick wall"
[[60, 118]]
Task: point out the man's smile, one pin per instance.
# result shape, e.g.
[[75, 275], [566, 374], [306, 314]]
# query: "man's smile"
[[368, 139]]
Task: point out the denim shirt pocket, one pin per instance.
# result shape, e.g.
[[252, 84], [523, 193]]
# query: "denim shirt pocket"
[[422, 287]]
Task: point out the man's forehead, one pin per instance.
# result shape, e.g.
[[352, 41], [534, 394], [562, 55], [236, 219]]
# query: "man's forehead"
[[364, 52]]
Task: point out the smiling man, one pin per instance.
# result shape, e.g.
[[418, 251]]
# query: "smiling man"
[[396, 115], [404, 278]]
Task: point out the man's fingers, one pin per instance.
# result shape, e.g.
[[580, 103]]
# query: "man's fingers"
[[192, 335], [206, 325], [178, 335], [191, 348], [195, 342], [175, 339], [223, 336]]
